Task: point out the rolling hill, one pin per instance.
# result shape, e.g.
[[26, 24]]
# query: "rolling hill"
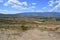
[[31, 14]]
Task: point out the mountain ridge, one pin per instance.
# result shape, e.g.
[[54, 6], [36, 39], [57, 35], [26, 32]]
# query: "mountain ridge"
[[30, 14]]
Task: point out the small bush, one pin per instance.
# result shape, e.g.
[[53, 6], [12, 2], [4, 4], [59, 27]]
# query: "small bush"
[[23, 27]]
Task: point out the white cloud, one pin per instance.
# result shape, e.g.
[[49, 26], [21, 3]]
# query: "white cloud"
[[57, 1], [33, 6], [24, 3], [44, 7], [1, 0], [13, 2], [57, 7], [3, 11], [51, 3], [23, 8], [16, 4], [19, 5], [34, 3]]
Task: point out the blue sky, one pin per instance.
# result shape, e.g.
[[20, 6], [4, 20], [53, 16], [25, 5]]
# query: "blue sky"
[[18, 6]]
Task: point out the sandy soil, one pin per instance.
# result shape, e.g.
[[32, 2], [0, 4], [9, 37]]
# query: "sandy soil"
[[33, 34]]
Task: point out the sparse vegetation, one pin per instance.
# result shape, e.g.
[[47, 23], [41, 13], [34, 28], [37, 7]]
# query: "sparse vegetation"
[[57, 19], [24, 28], [26, 23]]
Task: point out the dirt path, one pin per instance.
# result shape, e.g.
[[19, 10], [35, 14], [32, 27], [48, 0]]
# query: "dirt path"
[[33, 34]]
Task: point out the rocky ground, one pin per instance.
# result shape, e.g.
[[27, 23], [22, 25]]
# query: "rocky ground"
[[33, 34]]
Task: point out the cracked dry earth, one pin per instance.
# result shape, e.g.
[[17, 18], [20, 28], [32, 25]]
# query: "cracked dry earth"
[[33, 34]]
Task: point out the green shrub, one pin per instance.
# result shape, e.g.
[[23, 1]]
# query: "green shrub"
[[23, 27]]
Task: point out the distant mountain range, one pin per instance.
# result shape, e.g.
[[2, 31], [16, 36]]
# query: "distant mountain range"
[[31, 14]]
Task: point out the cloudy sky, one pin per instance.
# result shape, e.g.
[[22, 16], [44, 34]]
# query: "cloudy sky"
[[18, 6]]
